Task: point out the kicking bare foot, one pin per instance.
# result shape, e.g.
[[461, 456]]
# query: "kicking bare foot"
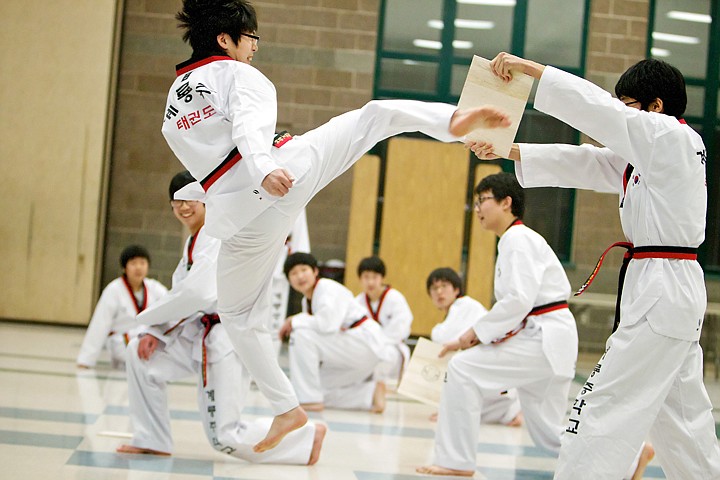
[[465, 121], [281, 426], [438, 470], [320, 431], [313, 407], [517, 421], [647, 454], [378, 402], [140, 451]]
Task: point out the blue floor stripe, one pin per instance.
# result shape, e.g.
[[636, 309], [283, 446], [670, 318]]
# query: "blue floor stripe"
[[147, 463], [514, 450], [49, 440], [47, 415]]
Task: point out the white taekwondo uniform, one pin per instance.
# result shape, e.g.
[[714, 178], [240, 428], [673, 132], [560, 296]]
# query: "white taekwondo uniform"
[[650, 378], [393, 314], [223, 382], [113, 322], [463, 313], [539, 360], [298, 241], [218, 107], [334, 349]]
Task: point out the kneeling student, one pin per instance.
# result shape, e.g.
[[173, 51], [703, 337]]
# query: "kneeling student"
[[334, 346]]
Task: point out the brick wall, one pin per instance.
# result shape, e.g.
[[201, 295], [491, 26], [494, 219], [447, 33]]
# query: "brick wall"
[[320, 55]]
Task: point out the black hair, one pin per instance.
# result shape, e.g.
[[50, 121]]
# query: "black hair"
[[299, 258], [179, 181], [650, 79], [133, 251], [503, 185], [204, 20], [445, 274], [371, 264]]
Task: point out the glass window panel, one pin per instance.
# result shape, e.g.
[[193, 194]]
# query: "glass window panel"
[[407, 21], [554, 32], [472, 35], [681, 41], [712, 230], [695, 101], [408, 75], [459, 73]]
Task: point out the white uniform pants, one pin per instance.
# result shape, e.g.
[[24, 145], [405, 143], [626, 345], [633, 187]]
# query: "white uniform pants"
[[645, 383], [485, 370], [220, 404], [335, 369], [395, 358], [247, 260], [500, 408]]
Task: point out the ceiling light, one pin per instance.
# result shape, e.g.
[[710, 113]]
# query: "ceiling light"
[[659, 52], [464, 23], [689, 17], [432, 44], [672, 38], [462, 44]]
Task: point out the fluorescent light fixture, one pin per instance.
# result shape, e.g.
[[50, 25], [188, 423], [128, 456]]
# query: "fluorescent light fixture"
[[431, 44], [464, 23], [434, 45], [689, 17], [410, 62], [672, 38], [495, 3], [659, 52]]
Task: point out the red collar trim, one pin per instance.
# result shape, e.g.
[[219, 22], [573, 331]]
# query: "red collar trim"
[[375, 314], [191, 64], [139, 307]]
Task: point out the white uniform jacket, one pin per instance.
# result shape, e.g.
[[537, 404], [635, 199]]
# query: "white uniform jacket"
[[115, 313], [334, 309], [392, 312], [461, 317], [664, 202], [528, 274], [193, 294], [217, 105]]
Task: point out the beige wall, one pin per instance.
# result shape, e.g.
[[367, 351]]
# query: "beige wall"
[[56, 74]]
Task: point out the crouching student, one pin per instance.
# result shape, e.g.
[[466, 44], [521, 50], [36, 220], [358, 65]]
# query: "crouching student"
[[113, 322], [334, 346], [461, 312], [186, 338], [388, 307]]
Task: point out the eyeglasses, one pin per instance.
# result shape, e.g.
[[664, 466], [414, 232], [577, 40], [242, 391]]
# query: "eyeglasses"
[[627, 104], [178, 203], [480, 200], [255, 38]]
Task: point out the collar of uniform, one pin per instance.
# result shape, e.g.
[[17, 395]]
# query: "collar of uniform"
[[194, 63]]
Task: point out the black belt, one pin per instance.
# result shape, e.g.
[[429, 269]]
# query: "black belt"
[[633, 252], [234, 157]]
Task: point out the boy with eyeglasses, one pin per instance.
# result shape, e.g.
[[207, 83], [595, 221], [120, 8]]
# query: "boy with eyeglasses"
[[185, 338], [220, 122], [649, 381]]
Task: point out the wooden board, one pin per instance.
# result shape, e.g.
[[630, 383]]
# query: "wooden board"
[[425, 374]]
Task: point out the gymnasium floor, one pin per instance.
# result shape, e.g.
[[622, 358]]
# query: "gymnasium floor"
[[57, 423]]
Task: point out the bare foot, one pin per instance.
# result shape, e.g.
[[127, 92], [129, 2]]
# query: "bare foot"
[[433, 417], [647, 454], [281, 426], [378, 402], [140, 451], [517, 421], [313, 407], [320, 431], [465, 121], [438, 470]]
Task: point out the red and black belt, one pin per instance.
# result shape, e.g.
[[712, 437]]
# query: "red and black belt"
[[234, 157], [357, 323], [633, 252], [539, 310], [208, 321]]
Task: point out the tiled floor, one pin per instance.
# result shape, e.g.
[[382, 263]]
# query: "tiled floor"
[[59, 423]]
